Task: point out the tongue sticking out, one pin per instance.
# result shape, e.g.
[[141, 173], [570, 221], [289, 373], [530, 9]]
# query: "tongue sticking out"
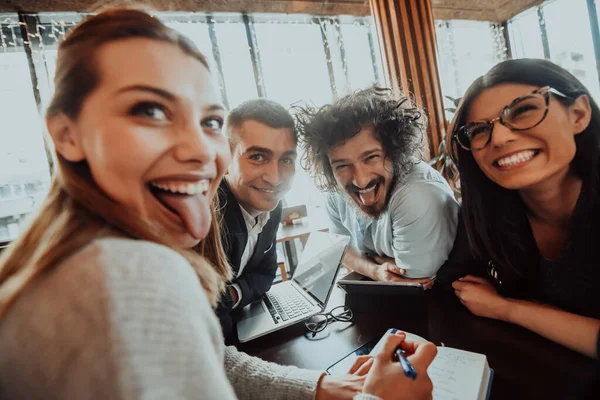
[[194, 210], [368, 198]]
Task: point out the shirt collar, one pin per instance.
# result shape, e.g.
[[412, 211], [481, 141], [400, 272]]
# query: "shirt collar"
[[255, 226]]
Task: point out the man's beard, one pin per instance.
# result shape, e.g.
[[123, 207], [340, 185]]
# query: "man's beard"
[[371, 212]]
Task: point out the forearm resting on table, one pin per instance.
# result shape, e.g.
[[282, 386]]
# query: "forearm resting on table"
[[355, 261], [570, 330]]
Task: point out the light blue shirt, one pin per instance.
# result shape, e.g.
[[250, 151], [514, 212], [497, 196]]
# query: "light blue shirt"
[[417, 229]]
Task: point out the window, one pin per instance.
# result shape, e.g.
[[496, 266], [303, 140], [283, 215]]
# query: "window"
[[297, 58], [563, 26], [466, 50], [51, 28], [293, 60], [570, 41], [526, 35], [4, 192], [23, 157], [362, 53], [335, 56], [236, 61]]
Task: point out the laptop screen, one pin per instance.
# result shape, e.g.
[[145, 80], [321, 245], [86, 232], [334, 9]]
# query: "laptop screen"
[[319, 263]]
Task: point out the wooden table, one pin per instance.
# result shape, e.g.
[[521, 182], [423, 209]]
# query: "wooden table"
[[526, 365], [286, 235]]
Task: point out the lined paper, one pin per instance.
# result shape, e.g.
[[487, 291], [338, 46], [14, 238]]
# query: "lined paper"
[[456, 374]]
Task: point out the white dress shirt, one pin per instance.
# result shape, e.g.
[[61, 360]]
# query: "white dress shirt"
[[254, 227]]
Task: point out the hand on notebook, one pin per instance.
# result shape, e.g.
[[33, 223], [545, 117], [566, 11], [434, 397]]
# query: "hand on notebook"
[[387, 380], [389, 271], [347, 386], [362, 365], [481, 297]]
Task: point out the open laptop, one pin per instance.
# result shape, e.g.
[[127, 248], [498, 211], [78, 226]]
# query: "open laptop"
[[305, 295]]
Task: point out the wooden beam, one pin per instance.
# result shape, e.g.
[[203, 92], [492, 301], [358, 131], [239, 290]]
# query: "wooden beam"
[[481, 10], [406, 33], [329, 7]]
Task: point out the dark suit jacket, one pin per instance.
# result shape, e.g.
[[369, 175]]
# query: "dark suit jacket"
[[258, 274]]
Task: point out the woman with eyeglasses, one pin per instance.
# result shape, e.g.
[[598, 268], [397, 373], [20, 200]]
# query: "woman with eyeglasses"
[[526, 139], [108, 292]]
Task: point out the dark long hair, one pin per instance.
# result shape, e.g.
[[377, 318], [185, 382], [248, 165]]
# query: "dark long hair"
[[495, 217]]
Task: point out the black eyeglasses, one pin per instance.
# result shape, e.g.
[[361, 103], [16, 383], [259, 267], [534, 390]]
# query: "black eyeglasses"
[[319, 322], [524, 112]]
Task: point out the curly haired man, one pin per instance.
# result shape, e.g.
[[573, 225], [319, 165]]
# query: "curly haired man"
[[401, 214]]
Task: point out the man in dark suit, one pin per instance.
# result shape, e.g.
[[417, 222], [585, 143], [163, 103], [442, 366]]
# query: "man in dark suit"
[[262, 136]]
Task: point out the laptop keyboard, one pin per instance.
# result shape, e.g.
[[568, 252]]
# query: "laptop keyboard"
[[287, 303]]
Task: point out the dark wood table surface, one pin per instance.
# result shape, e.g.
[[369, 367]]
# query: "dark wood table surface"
[[526, 365]]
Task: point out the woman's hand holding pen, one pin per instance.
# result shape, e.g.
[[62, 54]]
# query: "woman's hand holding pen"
[[386, 378]]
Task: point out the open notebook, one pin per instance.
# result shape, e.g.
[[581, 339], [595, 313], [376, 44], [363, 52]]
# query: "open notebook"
[[455, 374]]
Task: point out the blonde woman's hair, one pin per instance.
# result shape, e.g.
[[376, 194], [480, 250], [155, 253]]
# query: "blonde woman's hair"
[[76, 211]]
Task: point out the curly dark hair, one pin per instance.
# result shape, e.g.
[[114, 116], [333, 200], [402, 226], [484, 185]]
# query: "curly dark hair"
[[399, 125]]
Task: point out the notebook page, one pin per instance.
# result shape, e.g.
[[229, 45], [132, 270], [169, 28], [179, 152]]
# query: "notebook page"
[[456, 374]]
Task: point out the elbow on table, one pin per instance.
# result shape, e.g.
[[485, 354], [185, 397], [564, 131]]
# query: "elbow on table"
[[417, 271]]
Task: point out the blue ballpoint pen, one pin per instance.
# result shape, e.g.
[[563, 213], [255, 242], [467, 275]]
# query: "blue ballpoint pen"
[[409, 370]]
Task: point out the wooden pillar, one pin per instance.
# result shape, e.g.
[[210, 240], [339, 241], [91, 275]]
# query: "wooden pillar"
[[406, 33]]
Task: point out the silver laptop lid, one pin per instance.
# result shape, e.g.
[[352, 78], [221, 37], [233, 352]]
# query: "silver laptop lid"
[[319, 264]]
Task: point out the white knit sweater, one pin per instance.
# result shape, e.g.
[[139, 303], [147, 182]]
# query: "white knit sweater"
[[127, 319]]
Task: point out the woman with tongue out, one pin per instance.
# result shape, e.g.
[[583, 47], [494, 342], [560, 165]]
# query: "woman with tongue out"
[[106, 294], [526, 139]]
